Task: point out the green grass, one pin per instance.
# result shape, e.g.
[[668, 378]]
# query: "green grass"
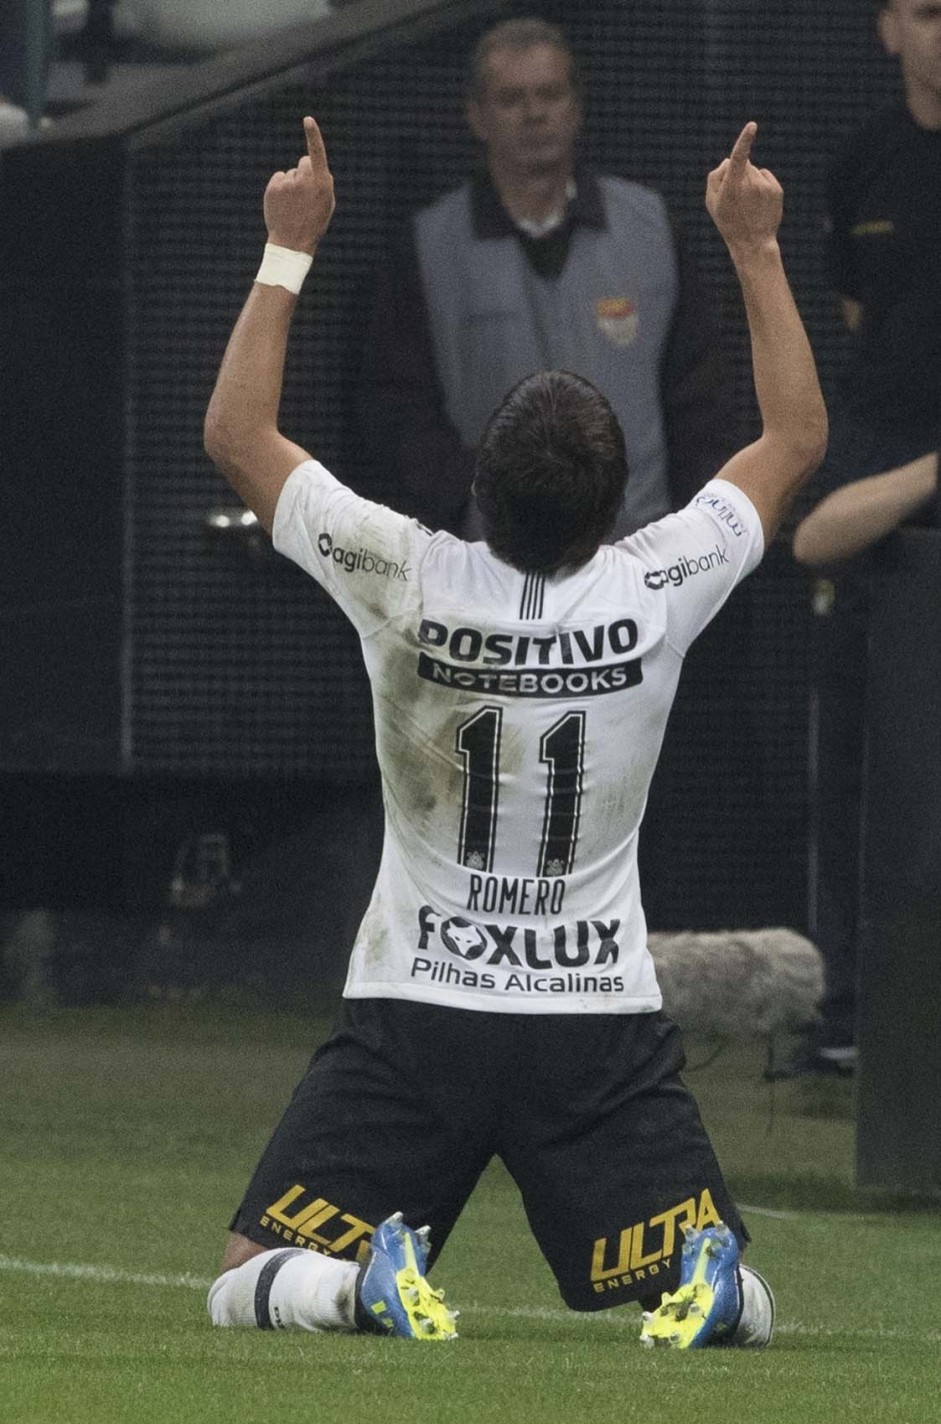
[[126, 1137]]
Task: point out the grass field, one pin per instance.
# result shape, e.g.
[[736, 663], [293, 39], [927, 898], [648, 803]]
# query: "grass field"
[[126, 1137]]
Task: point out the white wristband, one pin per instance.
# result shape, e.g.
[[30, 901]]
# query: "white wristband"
[[283, 267]]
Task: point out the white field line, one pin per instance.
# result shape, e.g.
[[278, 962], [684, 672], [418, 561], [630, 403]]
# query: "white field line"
[[102, 1275], [767, 1211], [113, 1275]]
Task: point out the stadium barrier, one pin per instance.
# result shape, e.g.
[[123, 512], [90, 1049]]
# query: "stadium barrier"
[[898, 1139]]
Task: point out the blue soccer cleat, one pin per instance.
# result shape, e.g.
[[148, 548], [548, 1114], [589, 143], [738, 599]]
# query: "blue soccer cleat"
[[706, 1307], [392, 1295]]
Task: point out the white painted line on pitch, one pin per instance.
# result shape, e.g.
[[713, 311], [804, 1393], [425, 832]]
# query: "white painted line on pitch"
[[859, 1218], [104, 1275], [768, 1211], [113, 1275]]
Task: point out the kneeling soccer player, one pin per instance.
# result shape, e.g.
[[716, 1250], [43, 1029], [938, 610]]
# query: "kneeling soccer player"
[[500, 997]]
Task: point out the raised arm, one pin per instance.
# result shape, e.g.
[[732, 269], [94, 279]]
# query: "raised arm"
[[241, 429], [746, 204]]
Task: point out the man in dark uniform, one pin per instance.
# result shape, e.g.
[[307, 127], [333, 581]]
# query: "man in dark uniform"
[[534, 264]]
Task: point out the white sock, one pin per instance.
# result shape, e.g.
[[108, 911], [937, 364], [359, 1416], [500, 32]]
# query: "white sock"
[[757, 1319], [286, 1289]]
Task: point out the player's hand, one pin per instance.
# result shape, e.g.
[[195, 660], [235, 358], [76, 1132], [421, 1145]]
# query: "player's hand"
[[744, 202], [299, 203]]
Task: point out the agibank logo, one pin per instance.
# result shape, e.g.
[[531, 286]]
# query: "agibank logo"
[[685, 568], [361, 560]]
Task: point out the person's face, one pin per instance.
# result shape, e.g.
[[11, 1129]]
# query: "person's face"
[[911, 30], [528, 115]]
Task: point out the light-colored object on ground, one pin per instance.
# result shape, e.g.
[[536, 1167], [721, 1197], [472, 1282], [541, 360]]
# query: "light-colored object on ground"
[[28, 955], [741, 983], [204, 24], [14, 122]]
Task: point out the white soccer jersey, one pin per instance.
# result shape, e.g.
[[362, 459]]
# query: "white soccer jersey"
[[519, 718]]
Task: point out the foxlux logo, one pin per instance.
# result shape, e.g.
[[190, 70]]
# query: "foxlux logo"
[[684, 568], [362, 560]]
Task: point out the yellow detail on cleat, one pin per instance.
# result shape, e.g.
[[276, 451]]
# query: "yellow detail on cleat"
[[678, 1318], [427, 1314]]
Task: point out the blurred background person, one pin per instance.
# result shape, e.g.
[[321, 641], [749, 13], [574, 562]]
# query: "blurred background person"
[[538, 263], [884, 262]]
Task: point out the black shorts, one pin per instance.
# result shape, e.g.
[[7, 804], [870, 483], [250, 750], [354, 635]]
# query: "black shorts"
[[402, 1109]]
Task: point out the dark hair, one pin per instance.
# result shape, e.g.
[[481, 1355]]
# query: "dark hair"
[[550, 473], [519, 35]]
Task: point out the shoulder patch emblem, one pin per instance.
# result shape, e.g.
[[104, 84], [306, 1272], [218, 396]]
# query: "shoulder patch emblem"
[[617, 318]]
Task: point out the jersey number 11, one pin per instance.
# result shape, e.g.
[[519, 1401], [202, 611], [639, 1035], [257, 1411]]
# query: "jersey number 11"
[[561, 751]]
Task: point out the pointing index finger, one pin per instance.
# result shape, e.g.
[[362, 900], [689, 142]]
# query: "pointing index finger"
[[315, 146], [742, 149]]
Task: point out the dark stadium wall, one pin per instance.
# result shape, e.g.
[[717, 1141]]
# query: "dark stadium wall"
[[213, 662], [898, 1140], [62, 443]]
